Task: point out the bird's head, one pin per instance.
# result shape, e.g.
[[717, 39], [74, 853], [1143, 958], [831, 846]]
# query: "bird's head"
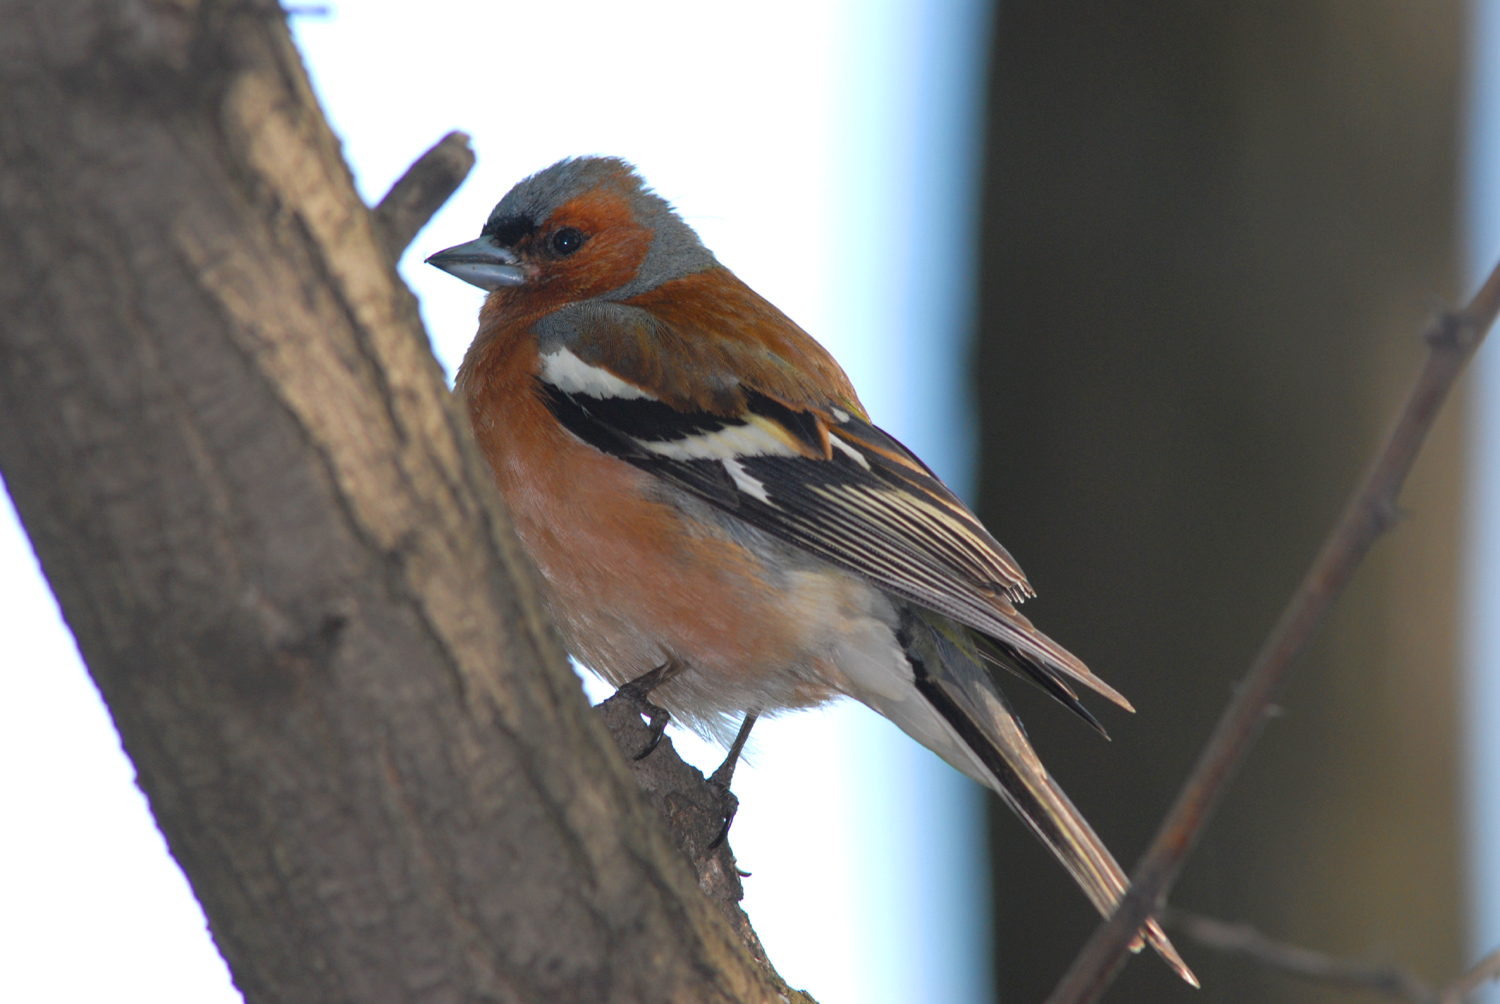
[[584, 228]]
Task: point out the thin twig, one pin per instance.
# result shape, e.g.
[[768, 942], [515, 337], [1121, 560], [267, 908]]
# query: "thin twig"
[[1451, 341], [1392, 981], [421, 191], [1485, 970], [1244, 940]]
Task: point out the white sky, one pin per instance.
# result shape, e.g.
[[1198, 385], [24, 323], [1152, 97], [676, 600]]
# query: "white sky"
[[826, 152]]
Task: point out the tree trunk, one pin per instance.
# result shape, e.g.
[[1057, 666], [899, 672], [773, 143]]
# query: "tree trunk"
[[281, 556]]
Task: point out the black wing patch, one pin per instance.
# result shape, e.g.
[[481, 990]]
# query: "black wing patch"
[[585, 416], [870, 507]]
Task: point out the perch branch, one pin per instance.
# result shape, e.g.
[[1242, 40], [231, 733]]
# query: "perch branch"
[[694, 811], [1451, 339]]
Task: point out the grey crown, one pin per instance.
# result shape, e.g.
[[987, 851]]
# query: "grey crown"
[[675, 249]]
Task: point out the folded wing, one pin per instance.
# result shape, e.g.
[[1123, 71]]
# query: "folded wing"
[[828, 481]]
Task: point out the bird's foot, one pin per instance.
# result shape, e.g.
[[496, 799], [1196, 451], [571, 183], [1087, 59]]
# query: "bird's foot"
[[724, 774], [638, 694], [729, 805]]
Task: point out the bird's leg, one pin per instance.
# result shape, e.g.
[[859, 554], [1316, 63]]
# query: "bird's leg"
[[725, 773], [638, 693]]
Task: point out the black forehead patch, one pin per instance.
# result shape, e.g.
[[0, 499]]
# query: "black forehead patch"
[[510, 230]]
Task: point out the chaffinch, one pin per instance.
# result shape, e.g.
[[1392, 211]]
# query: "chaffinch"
[[713, 513]]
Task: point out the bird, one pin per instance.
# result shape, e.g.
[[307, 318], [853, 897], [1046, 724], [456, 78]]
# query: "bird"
[[717, 523]]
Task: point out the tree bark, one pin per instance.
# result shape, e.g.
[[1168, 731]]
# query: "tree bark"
[[280, 554]]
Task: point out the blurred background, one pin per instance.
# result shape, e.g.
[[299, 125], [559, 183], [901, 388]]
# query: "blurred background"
[[1142, 281]]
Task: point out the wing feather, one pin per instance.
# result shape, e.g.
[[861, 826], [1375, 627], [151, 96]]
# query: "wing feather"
[[869, 505]]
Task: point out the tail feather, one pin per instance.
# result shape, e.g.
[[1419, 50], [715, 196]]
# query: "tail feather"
[[992, 748], [1048, 679]]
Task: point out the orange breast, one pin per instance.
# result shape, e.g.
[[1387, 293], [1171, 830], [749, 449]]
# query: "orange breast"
[[630, 581]]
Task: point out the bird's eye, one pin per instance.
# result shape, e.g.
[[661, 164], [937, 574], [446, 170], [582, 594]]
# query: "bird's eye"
[[566, 241]]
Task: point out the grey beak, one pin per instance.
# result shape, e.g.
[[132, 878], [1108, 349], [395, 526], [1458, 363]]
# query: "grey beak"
[[483, 263]]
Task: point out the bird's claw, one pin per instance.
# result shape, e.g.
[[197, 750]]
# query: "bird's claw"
[[638, 694], [657, 726], [728, 806], [722, 776]]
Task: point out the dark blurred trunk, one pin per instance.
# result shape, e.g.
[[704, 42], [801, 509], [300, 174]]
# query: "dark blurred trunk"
[[1212, 233]]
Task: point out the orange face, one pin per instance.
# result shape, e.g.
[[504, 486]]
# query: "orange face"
[[590, 245]]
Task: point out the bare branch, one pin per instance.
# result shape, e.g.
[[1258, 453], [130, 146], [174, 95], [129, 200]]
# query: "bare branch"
[[421, 192], [1452, 340], [1246, 941], [1484, 971], [1395, 982]]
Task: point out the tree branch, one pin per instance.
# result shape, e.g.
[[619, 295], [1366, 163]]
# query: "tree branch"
[[1316, 967], [421, 191], [281, 555], [1452, 340], [694, 811], [1486, 970], [1390, 981]]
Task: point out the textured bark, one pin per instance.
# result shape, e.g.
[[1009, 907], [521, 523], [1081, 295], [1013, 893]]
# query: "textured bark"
[[696, 813], [280, 554]]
